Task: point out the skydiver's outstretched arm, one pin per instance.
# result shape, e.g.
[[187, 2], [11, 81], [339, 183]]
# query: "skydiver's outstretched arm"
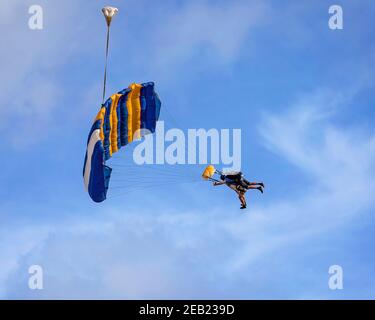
[[218, 183]]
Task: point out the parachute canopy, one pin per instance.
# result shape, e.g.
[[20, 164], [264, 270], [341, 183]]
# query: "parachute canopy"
[[208, 172], [126, 116]]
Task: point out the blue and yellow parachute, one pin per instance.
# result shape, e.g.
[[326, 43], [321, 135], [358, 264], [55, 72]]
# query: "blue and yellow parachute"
[[121, 120]]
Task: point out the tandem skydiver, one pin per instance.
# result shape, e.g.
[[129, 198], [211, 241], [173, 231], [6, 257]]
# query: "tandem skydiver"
[[239, 184]]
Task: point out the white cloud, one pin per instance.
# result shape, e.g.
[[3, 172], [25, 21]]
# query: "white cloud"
[[306, 137], [200, 33], [14, 246], [221, 28]]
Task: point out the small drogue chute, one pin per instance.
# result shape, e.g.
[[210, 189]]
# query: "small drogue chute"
[[109, 13]]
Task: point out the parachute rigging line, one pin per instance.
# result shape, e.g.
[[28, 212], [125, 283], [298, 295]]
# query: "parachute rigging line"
[[106, 63]]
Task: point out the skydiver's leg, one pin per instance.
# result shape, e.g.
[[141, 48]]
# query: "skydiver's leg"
[[255, 184], [242, 198], [241, 195], [257, 187], [247, 184]]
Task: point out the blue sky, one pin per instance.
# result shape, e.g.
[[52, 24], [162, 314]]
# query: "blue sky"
[[302, 95]]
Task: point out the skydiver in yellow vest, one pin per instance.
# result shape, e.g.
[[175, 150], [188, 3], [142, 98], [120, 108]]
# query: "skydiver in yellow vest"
[[239, 184]]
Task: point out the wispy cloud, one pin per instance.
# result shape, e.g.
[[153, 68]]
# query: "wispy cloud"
[[32, 67], [197, 30]]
